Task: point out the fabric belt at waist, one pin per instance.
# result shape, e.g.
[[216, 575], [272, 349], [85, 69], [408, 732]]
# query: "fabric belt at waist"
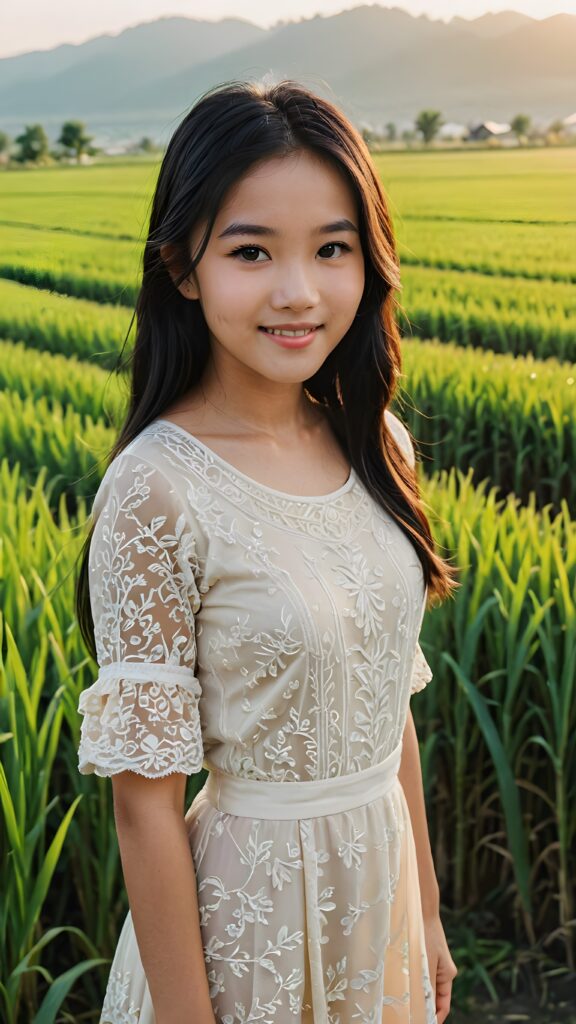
[[253, 798]]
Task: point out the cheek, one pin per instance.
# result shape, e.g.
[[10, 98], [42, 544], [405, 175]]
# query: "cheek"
[[227, 299], [349, 278], [350, 290]]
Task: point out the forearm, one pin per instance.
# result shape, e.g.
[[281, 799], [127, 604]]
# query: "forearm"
[[161, 883], [410, 775]]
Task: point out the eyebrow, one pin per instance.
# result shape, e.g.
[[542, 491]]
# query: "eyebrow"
[[237, 228]]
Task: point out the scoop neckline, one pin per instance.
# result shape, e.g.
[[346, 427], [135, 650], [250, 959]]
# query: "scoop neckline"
[[300, 498]]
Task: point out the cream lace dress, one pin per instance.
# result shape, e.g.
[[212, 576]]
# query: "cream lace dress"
[[270, 639]]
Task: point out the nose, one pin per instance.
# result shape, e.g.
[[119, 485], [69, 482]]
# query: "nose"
[[296, 290]]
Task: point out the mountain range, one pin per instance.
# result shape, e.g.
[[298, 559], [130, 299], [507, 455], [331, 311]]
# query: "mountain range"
[[379, 64]]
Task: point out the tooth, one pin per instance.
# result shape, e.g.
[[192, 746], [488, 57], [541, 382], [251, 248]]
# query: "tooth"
[[290, 334]]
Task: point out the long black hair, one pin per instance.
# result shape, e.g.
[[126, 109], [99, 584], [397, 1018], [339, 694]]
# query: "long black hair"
[[228, 130]]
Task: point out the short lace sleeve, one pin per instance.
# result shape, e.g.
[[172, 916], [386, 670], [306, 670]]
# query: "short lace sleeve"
[[142, 712], [401, 436], [421, 672]]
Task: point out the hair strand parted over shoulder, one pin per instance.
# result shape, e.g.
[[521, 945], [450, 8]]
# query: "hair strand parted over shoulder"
[[230, 129]]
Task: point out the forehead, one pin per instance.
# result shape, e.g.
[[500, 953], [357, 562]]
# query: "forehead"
[[288, 188]]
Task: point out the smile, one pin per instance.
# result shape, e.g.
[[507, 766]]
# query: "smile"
[[290, 339]]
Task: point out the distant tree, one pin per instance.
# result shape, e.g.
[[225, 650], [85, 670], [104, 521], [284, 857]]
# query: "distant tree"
[[368, 136], [73, 137], [391, 131], [555, 133], [147, 145], [33, 144], [429, 123], [4, 142], [520, 125]]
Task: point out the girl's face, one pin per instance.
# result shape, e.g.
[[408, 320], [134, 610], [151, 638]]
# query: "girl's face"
[[291, 270]]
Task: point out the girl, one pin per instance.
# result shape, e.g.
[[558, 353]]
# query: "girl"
[[253, 589]]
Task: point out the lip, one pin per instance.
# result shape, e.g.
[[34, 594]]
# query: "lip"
[[291, 342], [296, 326]]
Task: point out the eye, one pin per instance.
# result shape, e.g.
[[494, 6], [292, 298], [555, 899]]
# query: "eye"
[[246, 248], [340, 245], [241, 249]]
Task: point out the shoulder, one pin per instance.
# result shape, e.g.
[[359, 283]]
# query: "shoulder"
[[145, 494], [401, 435], [143, 482], [131, 469]]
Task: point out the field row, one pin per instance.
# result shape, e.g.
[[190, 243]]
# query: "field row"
[[517, 317], [62, 324], [537, 252], [509, 419]]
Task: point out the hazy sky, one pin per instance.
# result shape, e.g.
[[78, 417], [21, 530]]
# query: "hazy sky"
[[38, 25]]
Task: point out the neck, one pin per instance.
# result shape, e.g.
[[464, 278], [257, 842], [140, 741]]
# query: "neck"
[[261, 406]]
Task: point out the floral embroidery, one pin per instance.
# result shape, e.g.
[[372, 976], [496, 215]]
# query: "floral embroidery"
[[353, 916], [118, 1007], [364, 584], [351, 850]]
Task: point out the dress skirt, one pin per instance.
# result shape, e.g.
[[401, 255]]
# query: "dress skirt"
[[305, 919]]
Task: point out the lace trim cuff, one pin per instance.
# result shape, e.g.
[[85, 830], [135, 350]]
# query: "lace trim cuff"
[[421, 671], [138, 722], [159, 671]]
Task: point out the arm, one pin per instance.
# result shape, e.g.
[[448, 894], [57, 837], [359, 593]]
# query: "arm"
[[141, 719], [410, 775], [161, 884]]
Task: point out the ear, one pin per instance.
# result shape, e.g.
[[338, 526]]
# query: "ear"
[[189, 286]]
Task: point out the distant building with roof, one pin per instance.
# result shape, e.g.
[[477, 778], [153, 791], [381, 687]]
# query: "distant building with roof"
[[490, 130]]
